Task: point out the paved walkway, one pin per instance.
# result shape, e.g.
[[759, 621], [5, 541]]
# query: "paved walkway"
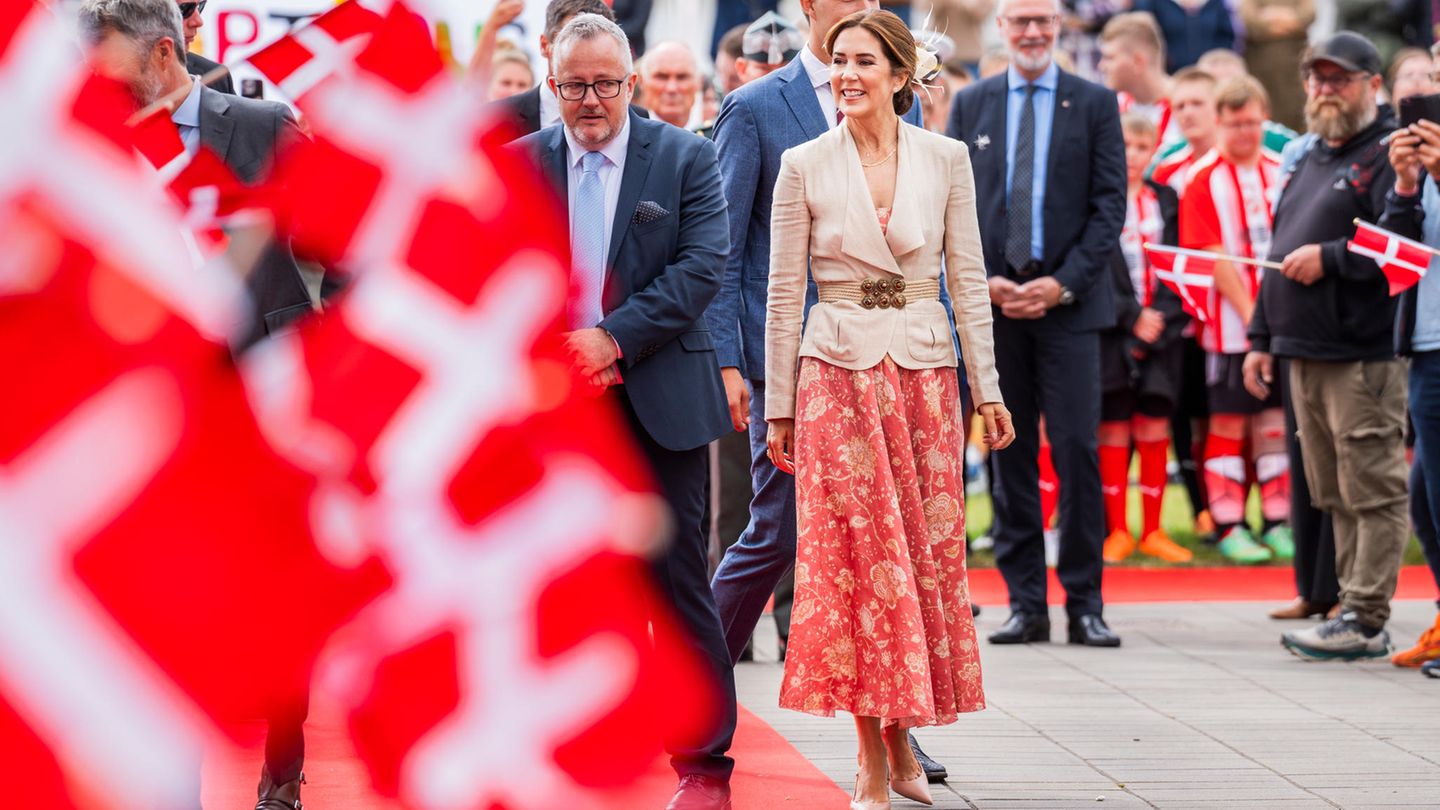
[[1200, 708]]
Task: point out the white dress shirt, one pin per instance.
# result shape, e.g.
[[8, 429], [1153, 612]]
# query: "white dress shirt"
[[611, 172], [819, 74], [187, 118], [549, 105]]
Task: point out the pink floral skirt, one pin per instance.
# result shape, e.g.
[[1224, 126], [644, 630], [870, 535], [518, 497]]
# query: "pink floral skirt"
[[881, 625]]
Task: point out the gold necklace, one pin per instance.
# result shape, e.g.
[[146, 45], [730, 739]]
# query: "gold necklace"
[[881, 161]]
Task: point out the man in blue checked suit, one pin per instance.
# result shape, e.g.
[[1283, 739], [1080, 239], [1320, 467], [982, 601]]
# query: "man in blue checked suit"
[[648, 242], [757, 123]]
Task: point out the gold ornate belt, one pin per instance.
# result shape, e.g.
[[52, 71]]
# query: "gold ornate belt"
[[885, 293]]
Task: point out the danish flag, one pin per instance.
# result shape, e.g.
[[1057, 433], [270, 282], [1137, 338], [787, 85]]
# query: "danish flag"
[[204, 187], [1190, 273], [155, 547], [302, 59], [1403, 261], [511, 663]]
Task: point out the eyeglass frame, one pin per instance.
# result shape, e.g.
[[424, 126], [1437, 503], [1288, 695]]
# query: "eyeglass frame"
[[586, 87], [1043, 22], [196, 7], [1310, 77]]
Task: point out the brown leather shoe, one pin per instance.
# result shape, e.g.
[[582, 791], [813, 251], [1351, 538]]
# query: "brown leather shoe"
[[697, 792], [278, 797], [1298, 609]]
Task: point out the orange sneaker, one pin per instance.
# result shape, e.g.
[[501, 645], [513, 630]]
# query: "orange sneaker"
[[1426, 649], [1204, 524], [1118, 546], [1159, 544]]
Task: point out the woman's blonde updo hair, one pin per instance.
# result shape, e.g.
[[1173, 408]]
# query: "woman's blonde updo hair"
[[895, 40]]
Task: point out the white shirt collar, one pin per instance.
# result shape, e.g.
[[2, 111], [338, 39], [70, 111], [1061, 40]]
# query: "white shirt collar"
[[613, 151], [188, 113], [818, 71], [549, 105]]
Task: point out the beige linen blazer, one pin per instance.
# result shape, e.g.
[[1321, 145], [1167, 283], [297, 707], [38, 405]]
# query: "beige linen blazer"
[[823, 213]]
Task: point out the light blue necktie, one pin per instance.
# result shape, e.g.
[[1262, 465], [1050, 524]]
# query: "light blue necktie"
[[588, 244]]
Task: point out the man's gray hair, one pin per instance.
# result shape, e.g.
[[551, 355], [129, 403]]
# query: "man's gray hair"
[[143, 22], [584, 27]]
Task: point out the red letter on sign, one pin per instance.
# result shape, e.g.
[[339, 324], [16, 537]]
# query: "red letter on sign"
[[225, 39]]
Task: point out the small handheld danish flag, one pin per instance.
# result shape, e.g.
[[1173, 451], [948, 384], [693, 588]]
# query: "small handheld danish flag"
[[1191, 274], [1403, 261]]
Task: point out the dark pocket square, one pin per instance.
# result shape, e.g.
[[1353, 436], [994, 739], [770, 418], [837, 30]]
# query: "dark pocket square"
[[647, 212]]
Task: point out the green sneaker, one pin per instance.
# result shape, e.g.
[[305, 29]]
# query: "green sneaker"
[[1281, 541], [1238, 545]]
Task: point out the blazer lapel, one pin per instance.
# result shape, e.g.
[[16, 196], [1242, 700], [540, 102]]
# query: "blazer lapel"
[[905, 232], [553, 163], [862, 239], [637, 169], [996, 127], [800, 95], [216, 127], [1064, 111]]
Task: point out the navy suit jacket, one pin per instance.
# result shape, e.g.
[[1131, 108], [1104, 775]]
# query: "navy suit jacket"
[[757, 123], [1084, 207], [662, 275]]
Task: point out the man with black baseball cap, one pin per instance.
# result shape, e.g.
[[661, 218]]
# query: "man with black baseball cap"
[[1328, 313]]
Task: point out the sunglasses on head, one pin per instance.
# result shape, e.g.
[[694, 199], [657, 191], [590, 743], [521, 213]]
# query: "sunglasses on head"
[[186, 9]]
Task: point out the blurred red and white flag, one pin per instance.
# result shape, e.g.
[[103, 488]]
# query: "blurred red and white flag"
[[208, 193], [512, 661], [302, 59], [1403, 261], [1190, 273], [154, 547]]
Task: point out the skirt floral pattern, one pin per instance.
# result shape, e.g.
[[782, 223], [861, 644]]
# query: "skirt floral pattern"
[[881, 624]]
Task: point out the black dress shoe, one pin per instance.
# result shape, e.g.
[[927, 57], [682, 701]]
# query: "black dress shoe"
[[934, 771], [1092, 631], [278, 797], [974, 611], [1022, 628], [696, 792]]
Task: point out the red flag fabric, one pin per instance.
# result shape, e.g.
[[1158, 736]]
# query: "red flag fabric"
[[204, 187], [1403, 261], [511, 663], [299, 61], [1189, 273], [160, 575]]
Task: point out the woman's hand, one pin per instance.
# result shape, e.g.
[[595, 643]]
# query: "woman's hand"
[[1150, 325], [781, 439], [999, 429]]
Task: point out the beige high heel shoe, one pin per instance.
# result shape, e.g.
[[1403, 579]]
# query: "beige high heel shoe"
[[857, 804], [917, 789]]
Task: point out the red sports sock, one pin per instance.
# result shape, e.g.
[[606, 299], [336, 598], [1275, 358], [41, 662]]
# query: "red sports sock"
[[1049, 486], [1153, 475], [1225, 480], [1114, 480]]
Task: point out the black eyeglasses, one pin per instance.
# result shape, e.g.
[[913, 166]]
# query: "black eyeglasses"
[[186, 9], [604, 88]]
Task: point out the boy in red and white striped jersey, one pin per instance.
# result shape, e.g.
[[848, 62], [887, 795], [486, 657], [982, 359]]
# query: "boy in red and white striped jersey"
[[1226, 209]]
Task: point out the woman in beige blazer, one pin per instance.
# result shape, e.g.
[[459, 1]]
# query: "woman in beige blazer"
[[863, 408]]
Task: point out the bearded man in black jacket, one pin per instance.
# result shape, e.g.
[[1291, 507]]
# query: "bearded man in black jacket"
[[1329, 312]]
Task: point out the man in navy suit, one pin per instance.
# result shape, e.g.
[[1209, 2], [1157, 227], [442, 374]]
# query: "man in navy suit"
[[757, 123], [1049, 163], [648, 243]]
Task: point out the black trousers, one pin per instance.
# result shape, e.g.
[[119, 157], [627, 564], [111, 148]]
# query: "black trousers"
[[1315, 578], [1049, 371], [682, 577]]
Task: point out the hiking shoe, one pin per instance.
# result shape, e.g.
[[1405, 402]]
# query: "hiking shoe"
[[1238, 545], [1281, 540], [1118, 546], [1426, 649], [1158, 544], [1342, 638]]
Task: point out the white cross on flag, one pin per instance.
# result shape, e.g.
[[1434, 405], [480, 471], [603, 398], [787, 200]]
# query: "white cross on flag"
[[302, 59], [154, 546], [510, 662], [1403, 261], [1190, 274]]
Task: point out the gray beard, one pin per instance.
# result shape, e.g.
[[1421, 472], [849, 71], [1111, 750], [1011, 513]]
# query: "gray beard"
[[1032, 64], [1341, 125], [150, 88]]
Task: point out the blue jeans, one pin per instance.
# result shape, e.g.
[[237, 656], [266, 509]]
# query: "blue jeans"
[[1425, 474], [765, 552]]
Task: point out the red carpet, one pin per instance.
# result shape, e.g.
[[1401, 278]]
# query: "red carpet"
[[770, 773], [1259, 584]]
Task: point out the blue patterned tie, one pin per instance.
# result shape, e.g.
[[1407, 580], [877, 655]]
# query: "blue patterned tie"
[[1018, 244], [587, 250]]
